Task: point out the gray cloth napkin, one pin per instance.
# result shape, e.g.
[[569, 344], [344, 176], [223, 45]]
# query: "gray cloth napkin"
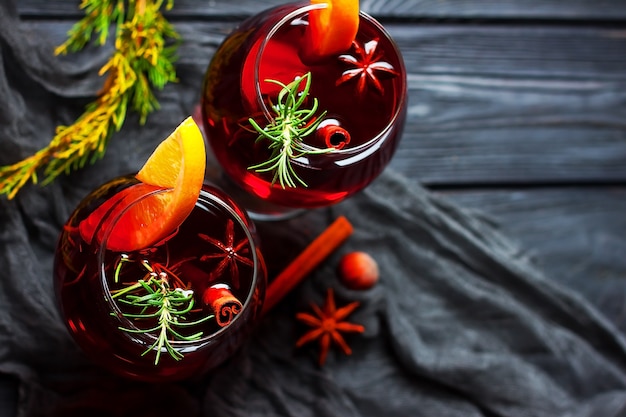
[[460, 324]]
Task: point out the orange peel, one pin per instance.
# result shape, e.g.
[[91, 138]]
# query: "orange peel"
[[331, 29], [172, 177]]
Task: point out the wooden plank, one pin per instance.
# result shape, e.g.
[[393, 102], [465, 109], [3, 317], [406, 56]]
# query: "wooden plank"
[[488, 105], [502, 104], [609, 10], [575, 235]]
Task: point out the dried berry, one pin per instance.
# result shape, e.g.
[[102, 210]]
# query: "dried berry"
[[358, 271]]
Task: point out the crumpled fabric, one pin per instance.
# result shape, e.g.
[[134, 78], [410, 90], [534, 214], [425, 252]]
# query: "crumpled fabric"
[[461, 324]]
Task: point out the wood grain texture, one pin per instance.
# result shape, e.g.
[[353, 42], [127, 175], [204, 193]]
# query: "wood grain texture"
[[499, 104], [488, 104], [607, 10]]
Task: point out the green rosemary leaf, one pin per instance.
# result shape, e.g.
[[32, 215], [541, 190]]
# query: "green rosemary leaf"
[[179, 336], [147, 285], [145, 299], [185, 310], [195, 323], [287, 130], [158, 301], [118, 267]]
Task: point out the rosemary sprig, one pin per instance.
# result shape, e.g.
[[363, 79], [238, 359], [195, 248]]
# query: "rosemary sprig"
[[154, 298], [142, 60], [287, 130]]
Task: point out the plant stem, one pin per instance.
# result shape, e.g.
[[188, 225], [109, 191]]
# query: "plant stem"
[[287, 130], [142, 61], [153, 297]]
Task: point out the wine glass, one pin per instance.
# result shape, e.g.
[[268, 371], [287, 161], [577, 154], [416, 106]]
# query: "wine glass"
[[174, 310], [345, 112]]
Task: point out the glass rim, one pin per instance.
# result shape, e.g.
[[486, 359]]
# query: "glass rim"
[[300, 9], [149, 338]]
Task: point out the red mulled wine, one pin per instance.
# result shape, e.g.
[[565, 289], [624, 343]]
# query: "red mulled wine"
[[212, 252], [361, 92]]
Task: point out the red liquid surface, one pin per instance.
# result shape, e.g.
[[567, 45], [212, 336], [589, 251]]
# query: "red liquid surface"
[[81, 291], [366, 113]]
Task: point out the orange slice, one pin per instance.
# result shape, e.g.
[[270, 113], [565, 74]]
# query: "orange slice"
[[332, 29], [176, 168]]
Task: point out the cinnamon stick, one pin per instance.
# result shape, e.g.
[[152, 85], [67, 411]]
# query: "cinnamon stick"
[[224, 304], [322, 246]]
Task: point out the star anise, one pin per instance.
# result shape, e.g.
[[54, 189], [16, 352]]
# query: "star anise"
[[230, 254], [328, 323], [367, 65]]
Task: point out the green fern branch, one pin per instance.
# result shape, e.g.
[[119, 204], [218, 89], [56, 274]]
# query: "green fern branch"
[[143, 61]]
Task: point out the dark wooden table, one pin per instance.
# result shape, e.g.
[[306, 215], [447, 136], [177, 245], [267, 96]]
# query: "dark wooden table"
[[517, 109]]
